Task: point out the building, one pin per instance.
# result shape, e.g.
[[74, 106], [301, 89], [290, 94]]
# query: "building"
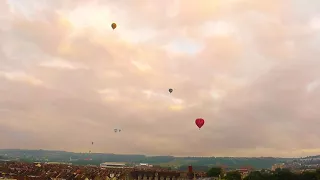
[[245, 171], [113, 165], [5, 161], [156, 175], [144, 165], [276, 166], [62, 163]]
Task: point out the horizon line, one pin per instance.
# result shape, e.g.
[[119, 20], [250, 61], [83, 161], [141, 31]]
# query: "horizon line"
[[163, 155]]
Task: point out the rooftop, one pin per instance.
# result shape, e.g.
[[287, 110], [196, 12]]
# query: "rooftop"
[[114, 163]]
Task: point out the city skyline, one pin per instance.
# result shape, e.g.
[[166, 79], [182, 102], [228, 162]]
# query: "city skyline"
[[248, 68]]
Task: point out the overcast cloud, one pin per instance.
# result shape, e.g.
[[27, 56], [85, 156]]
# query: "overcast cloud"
[[250, 68]]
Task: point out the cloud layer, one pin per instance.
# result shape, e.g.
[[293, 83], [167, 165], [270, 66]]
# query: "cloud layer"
[[249, 68]]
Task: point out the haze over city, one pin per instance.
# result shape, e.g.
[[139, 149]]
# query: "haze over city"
[[249, 68]]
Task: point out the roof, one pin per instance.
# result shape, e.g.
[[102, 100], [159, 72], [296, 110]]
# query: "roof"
[[144, 164], [243, 170], [5, 160], [114, 163]]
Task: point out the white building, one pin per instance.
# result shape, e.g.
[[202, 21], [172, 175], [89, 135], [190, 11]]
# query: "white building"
[[144, 165], [113, 165], [58, 163]]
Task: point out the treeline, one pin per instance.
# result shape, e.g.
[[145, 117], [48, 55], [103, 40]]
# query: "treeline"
[[200, 163], [278, 174], [258, 163]]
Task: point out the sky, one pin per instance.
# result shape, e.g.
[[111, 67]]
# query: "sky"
[[249, 68]]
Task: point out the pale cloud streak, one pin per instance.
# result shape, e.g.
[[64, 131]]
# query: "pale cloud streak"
[[21, 77], [250, 68]]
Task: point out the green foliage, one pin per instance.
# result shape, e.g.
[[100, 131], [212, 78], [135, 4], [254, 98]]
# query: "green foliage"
[[214, 172], [318, 174], [233, 175], [283, 174], [26, 160], [308, 175], [257, 175]]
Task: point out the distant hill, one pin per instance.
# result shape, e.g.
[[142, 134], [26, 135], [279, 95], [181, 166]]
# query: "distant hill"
[[199, 163]]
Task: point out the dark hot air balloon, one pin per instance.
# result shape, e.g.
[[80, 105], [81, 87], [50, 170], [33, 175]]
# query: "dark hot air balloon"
[[199, 122], [170, 90], [113, 26]]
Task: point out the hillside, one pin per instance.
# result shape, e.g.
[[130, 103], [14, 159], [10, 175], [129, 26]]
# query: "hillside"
[[168, 161]]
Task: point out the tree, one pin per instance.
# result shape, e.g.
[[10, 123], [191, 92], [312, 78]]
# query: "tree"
[[214, 172], [318, 174], [308, 176], [233, 175], [284, 174], [256, 175]]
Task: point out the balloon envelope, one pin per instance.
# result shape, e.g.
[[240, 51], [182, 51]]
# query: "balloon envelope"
[[114, 25], [170, 90], [199, 122]]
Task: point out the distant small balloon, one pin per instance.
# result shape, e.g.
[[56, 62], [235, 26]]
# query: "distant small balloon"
[[170, 90], [113, 26], [115, 130]]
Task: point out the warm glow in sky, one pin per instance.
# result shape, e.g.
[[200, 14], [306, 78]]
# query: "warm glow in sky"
[[250, 68]]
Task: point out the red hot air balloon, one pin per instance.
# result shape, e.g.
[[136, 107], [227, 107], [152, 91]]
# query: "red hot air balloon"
[[199, 122]]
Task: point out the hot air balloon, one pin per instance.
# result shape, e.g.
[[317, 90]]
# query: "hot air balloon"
[[170, 90], [119, 130], [115, 130], [199, 122], [92, 143], [113, 26]]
